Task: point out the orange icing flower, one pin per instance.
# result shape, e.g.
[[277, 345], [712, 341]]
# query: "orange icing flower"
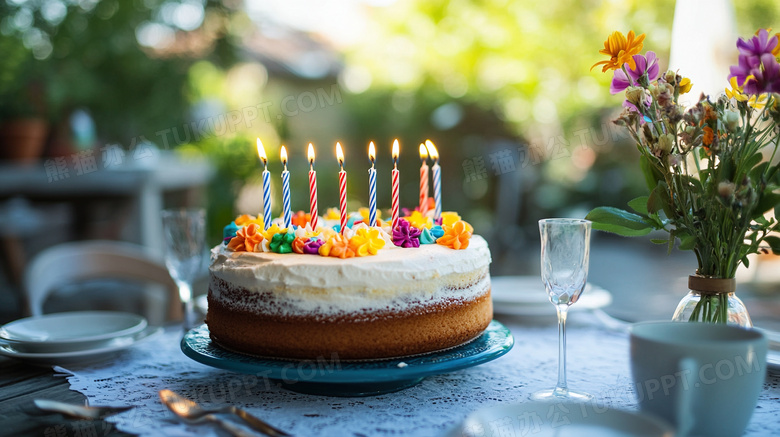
[[301, 219], [419, 221], [367, 242], [298, 243], [449, 217], [246, 219], [246, 239], [337, 247], [456, 236]]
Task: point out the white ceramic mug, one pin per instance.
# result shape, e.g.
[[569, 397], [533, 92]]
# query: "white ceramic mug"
[[704, 378]]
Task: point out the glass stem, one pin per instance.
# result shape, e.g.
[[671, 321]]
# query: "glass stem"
[[188, 310], [561, 388]]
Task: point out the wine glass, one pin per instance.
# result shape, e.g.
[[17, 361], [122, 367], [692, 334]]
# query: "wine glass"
[[565, 254], [185, 242]]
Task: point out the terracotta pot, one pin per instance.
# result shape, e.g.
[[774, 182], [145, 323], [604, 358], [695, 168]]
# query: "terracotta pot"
[[22, 140]]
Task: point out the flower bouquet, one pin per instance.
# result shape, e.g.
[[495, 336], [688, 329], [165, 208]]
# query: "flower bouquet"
[[710, 169]]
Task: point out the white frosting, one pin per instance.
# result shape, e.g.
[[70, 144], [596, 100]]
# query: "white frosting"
[[395, 278]]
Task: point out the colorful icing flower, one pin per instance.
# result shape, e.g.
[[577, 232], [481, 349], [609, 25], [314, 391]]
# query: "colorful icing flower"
[[367, 242], [419, 221], [332, 214], [620, 50], [405, 235], [301, 219], [337, 247], [229, 231], [247, 238], [298, 244], [456, 236], [273, 230], [426, 237], [437, 231], [449, 217], [282, 242], [246, 219], [312, 246]]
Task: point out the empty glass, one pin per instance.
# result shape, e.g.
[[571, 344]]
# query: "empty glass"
[[185, 243], [565, 254]]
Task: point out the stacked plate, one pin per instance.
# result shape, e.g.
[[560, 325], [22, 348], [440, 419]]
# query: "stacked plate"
[[526, 296], [73, 337]]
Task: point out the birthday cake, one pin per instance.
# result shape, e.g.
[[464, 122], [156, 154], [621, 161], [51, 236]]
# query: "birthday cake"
[[367, 293]]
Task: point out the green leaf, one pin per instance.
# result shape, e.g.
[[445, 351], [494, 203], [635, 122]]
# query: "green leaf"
[[767, 201], [659, 200], [617, 221], [745, 261], [659, 241], [639, 205], [687, 242], [774, 243], [777, 210], [652, 176]]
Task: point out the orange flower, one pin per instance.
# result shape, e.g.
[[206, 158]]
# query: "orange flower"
[[246, 239], [298, 243], [337, 247], [246, 219], [456, 236], [709, 136], [620, 50], [301, 219]]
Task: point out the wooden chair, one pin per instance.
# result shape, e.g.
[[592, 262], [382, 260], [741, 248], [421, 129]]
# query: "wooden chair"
[[87, 260]]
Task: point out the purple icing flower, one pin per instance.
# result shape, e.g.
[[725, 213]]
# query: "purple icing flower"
[[756, 59], [645, 64], [406, 235], [312, 246]]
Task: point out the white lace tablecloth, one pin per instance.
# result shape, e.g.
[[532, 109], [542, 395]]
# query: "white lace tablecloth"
[[597, 363]]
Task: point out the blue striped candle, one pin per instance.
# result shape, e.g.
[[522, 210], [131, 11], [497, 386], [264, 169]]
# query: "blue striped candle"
[[436, 177], [372, 186], [266, 185], [287, 214]]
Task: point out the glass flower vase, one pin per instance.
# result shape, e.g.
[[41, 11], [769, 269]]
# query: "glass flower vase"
[[712, 300]]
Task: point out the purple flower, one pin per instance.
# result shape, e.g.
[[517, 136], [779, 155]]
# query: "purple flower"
[[645, 65], [756, 59], [312, 246], [406, 235]]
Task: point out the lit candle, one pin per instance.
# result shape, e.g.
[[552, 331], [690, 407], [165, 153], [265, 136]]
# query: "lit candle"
[[342, 187], [436, 177], [394, 184], [287, 215], [372, 185], [312, 189], [266, 185], [423, 179]]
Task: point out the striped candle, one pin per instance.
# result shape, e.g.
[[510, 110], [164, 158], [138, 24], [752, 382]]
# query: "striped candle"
[[372, 186], [312, 189], [287, 214], [423, 179], [395, 185], [436, 178], [266, 185], [342, 187]]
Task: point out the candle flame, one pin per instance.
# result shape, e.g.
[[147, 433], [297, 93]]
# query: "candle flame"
[[339, 154], [311, 153], [261, 152], [283, 155], [371, 152], [423, 152], [432, 150], [395, 150]]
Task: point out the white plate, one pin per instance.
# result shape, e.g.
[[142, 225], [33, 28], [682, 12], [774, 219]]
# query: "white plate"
[[71, 329], [81, 356], [526, 296], [560, 419]]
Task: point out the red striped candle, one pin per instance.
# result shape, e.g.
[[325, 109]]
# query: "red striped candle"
[[395, 185], [312, 189], [342, 187], [424, 179]]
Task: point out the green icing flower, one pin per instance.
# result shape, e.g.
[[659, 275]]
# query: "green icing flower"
[[282, 242], [426, 237]]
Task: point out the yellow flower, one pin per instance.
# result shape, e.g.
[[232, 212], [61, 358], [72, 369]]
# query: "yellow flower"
[[419, 221], [685, 85], [449, 218], [366, 242], [758, 102], [246, 219], [273, 230], [736, 91], [337, 247], [332, 214], [365, 213], [620, 50]]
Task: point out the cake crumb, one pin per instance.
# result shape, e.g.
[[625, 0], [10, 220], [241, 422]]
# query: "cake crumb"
[[402, 365]]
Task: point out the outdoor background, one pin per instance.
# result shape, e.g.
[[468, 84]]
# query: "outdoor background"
[[503, 88]]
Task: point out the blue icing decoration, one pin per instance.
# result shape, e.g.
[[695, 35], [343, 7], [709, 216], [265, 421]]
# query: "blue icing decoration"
[[337, 228], [426, 237], [437, 231], [230, 230]]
